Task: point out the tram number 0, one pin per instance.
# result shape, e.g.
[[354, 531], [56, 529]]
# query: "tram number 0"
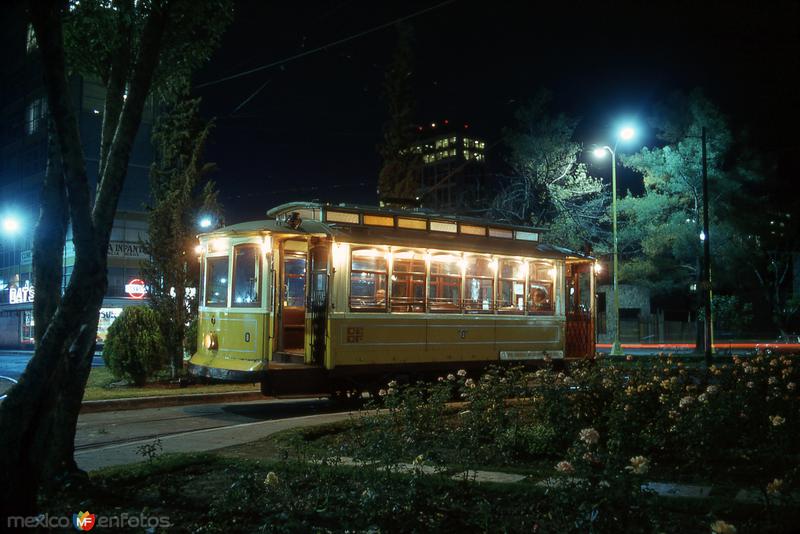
[[247, 337]]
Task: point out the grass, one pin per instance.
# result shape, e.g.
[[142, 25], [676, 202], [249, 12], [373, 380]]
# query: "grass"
[[99, 387]]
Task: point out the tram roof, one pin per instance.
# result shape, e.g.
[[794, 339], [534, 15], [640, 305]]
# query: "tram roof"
[[445, 232]]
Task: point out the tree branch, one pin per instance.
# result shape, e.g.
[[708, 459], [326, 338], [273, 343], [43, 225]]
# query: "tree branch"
[[45, 17], [112, 179], [118, 76]]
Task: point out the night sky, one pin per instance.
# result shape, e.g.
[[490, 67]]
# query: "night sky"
[[311, 132]]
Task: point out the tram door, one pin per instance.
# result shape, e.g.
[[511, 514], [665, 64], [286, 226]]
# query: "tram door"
[[580, 341], [293, 297]]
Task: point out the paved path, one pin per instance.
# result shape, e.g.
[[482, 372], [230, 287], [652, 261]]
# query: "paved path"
[[112, 438]]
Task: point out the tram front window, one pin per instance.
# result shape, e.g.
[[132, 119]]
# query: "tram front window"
[[246, 269], [217, 281], [368, 280]]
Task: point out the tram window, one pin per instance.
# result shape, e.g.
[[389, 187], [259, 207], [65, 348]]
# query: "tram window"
[[217, 281], [444, 289], [540, 288], [246, 275], [479, 287], [294, 277], [368, 280], [511, 287], [408, 282]]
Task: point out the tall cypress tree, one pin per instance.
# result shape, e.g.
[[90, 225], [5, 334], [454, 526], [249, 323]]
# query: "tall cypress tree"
[[399, 175]]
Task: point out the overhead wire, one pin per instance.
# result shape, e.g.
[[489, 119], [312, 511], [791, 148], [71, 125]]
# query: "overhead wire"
[[325, 46]]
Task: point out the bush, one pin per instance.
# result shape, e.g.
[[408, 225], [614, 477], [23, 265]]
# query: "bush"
[[134, 347]]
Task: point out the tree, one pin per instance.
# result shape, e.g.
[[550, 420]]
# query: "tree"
[[768, 239], [548, 186], [138, 50], [660, 229], [182, 191], [399, 175]]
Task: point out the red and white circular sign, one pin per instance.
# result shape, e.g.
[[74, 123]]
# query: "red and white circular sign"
[[135, 288]]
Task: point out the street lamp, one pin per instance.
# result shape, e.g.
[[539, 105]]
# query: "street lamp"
[[206, 222], [11, 225], [625, 134]]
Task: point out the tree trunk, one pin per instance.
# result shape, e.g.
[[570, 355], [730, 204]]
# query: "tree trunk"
[[38, 417]]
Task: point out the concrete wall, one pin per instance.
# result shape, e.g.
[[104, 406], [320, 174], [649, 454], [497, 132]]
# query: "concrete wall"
[[631, 297]]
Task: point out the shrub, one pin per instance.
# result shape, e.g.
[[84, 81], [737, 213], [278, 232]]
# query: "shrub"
[[134, 347]]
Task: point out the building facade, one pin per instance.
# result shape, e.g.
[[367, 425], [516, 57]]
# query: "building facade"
[[453, 176], [23, 159]]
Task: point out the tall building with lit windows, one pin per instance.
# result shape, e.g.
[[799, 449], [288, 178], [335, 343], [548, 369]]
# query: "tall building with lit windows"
[[453, 176], [23, 159]]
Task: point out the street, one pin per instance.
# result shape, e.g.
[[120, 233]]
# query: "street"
[[13, 362], [112, 438]]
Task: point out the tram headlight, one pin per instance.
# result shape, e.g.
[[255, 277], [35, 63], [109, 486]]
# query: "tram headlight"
[[210, 341]]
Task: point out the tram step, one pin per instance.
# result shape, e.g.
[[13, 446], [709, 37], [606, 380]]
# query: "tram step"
[[288, 357]]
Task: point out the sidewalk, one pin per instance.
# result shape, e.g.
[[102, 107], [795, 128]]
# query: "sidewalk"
[[196, 441]]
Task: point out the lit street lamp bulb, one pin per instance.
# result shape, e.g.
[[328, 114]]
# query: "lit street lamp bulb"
[[205, 222], [598, 268], [599, 152], [10, 225], [702, 236], [627, 133]]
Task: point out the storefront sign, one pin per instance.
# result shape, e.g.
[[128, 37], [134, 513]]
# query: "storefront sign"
[[21, 295], [126, 249], [135, 289], [26, 257], [107, 318]]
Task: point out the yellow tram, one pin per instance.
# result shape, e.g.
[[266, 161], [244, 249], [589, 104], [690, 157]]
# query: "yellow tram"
[[332, 298]]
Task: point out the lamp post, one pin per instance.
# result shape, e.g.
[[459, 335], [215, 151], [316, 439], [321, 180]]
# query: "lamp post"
[[625, 134]]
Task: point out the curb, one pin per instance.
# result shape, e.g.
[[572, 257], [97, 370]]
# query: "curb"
[[135, 403]]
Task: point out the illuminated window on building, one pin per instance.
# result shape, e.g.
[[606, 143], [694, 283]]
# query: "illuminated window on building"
[[467, 142], [217, 281], [479, 285], [35, 115], [511, 287], [408, 282], [466, 154], [481, 145], [540, 288], [444, 289], [246, 271], [368, 276], [453, 140]]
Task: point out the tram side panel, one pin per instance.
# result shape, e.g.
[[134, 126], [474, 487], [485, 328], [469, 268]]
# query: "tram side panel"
[[399, 339], [232, 346]]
